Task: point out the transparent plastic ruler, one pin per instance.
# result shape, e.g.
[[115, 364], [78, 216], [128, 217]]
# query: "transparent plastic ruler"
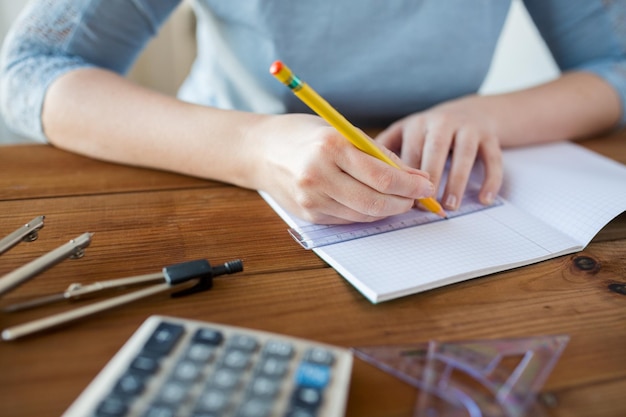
[[315, 235]]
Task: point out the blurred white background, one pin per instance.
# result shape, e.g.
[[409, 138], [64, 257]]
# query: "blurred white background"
[[521, 60]]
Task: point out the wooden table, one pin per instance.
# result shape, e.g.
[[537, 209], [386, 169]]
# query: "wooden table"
[[144, 219]]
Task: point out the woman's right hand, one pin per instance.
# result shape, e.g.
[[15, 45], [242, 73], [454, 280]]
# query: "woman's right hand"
[[314, 172]]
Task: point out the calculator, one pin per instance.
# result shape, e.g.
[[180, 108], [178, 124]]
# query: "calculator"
[[173, 367]]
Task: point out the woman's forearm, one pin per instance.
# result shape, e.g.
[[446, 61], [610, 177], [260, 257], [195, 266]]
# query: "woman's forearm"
[[102, 115], [574, 106]]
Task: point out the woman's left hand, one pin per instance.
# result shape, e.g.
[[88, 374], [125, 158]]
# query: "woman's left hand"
[[462, 130]]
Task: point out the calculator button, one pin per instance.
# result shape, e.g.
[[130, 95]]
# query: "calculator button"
[[130, 384], [160, 411], [112, 407], [186, 371], [236, 359], [225, 379], [164, 338], [242, 342], [273, 367], [320, 356], [172, 393], [277, 348], [306, 397], [255, 407], [264, 387], [312, 375], [200, 353], [213, 401], [145, 364], [208, 336]]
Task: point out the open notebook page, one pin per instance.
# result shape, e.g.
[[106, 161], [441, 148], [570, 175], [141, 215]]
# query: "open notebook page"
[[567, 186], [407, 261], [417, 259]]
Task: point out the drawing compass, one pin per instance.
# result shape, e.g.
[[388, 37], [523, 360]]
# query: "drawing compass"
[[75, 248], [26, 233], [200, 271]]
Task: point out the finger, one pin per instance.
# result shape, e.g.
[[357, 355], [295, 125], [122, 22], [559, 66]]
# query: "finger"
[[463, 157], [491, 155], [377, 175], [403, 166], [406, 140], [366, 202], [391, 138], [321, 208], [339, 214], [413, 139], [435, 152]]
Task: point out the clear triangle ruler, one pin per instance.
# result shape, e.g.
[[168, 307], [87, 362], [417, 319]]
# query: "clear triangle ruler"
[[311, 236], [487, 378]]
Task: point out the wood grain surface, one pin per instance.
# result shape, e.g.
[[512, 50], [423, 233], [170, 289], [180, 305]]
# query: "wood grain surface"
[[143, 220]]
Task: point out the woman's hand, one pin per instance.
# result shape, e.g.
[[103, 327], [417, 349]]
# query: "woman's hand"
[[462, 130], [317, 174]]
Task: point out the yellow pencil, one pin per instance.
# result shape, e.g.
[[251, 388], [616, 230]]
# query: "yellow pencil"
[[320, 106]]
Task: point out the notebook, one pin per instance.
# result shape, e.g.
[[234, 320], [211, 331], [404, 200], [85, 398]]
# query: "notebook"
[[554, 200]]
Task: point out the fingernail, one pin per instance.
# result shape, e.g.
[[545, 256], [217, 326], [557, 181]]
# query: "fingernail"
[[488, 199], [451, 202]]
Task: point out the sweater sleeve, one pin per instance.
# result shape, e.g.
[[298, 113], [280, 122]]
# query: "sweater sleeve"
[[52, 37], [586, 35]]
